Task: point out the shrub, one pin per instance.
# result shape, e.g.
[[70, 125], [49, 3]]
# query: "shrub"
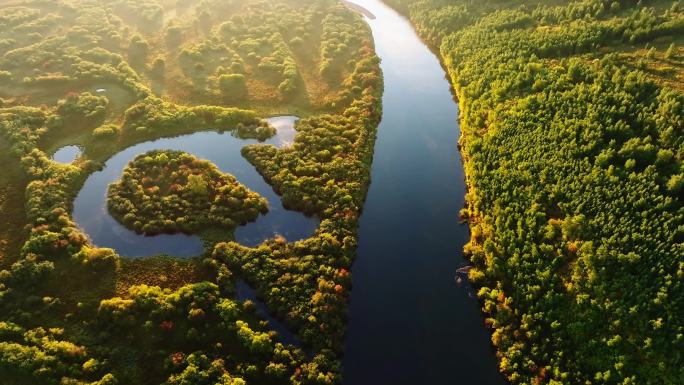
[[106, 131], [233, 86]]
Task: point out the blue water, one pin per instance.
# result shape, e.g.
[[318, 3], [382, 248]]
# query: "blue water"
[[66, 154], [409, 323], [223, 149]]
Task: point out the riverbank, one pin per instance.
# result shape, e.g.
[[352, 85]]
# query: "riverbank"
[[359, 9]]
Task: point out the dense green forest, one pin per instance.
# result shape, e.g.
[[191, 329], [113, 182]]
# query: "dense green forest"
[[572, 115], [105, 75]]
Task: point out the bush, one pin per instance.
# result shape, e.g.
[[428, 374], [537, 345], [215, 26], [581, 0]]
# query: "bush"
[[99, 259], [233, 86], [106, 131], [174, 36]]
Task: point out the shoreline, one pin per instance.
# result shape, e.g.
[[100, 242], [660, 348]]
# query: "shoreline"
[[359, 9]]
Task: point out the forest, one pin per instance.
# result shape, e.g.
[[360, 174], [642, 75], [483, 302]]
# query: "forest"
[[107, 75], [572, 119]]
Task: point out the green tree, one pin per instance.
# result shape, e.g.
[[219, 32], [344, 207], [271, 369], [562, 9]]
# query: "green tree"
[[233, 86], [197, 185], [671, 51]]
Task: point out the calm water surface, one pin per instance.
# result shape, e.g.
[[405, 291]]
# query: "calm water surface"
[[223, 149], [409, 323], [66, 154]]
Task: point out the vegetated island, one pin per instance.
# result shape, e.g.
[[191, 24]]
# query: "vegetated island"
[[173, 191], [572, 121]]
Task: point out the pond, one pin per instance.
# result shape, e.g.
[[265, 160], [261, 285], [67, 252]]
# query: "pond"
[[67, 154], [223, 149], [409, 323]]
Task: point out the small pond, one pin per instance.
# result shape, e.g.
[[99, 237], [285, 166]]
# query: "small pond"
[[66, 154], [223, 149]]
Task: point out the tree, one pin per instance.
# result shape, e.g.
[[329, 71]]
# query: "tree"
[[671, 51], [174, 36]]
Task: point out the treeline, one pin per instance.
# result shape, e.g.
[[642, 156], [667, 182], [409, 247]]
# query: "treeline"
[[574, 164], [155, 118], [337, 41]]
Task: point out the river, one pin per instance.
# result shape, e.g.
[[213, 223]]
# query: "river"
[[408, 321]]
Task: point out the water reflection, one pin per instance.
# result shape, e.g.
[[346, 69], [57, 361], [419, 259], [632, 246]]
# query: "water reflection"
[[408, 321]]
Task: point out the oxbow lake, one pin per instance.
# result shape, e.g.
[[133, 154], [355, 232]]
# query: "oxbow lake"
[[223, 149]]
